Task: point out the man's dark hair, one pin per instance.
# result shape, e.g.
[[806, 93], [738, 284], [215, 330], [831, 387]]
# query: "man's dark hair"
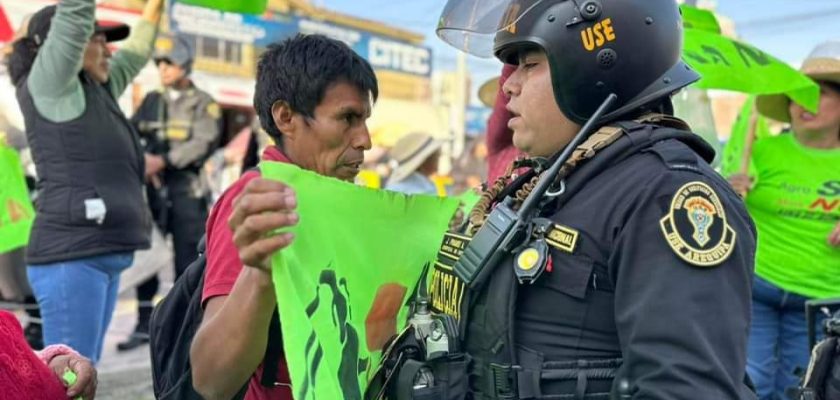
[[300, 69]]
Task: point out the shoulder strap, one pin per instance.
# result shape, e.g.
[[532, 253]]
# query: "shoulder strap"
[[273, 351], [607, 135], [274, 347]]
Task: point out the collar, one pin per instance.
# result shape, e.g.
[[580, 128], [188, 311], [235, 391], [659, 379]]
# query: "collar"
[[274, 153]]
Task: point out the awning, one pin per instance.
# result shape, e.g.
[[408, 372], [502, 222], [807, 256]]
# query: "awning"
[[228, 91]]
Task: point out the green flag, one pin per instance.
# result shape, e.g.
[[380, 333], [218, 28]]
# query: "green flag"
[[733, 151], [342, 284], [236, 6], [16, 212], [731, 65], [697, 18]]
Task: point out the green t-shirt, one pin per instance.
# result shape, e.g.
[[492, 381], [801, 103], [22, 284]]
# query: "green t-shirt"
[[795, 205]]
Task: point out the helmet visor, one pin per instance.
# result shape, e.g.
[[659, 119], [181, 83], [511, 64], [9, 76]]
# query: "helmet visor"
[[471, 25]]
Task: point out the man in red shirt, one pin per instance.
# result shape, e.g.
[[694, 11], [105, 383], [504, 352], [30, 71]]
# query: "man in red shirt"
[[313, 96]]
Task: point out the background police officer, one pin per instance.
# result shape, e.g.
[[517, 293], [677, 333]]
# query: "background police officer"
[[181, 127], [632, 277]]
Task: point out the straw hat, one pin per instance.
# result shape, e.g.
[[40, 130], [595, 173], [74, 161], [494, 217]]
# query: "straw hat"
[[488, 90], [823, 64], [410, 152]]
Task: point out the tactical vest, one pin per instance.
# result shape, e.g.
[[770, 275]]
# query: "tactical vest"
[[494, 364], [90, 180], [169, 124]]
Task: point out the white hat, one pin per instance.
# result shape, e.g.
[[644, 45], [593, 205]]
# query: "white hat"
[[823, 64], [410, 152]]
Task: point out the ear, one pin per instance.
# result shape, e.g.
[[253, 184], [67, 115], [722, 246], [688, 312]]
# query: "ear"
[[284, 119]]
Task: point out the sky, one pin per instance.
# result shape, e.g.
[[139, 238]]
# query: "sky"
[[787, 29]]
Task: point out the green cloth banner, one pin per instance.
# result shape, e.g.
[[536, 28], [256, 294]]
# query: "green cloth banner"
[[16, 212], [698, 18], [733, 152], [342, 284], [731, 65], [236, 6], [728, 64]]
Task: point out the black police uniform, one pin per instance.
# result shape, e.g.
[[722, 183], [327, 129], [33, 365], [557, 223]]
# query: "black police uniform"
[[647, 281]]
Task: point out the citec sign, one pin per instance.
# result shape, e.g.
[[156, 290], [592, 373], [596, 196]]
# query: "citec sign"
[[382, 52]]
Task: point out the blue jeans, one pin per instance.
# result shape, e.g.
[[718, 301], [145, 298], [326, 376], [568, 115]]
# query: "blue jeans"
[[778, 342], [77, 299]]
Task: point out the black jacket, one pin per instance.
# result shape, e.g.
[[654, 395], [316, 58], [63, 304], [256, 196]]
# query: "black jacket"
[[649, 281], [84, 164]]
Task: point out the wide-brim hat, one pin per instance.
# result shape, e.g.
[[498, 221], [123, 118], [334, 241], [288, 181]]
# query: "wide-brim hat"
[[488, 91], [40, 22], [823, 64], [410, 152]]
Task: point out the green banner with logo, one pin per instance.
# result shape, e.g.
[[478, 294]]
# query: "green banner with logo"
[[236, 6], [16, 212], [342, 284], [700, 19], [732, 65]]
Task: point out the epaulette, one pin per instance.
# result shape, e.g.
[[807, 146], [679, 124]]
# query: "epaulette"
[[676, 155]]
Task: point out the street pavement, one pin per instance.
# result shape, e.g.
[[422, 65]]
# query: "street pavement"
[[124, 375]]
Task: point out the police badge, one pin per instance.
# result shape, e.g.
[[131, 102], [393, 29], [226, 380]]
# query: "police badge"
[[696, 228]]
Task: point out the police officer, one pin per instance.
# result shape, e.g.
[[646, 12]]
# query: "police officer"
[[631, 277], [181, 128]]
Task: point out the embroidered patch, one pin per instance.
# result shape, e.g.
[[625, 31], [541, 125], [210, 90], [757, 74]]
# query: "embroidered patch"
[[178, 134], [214, 111], [562, 238], [446, 291], [696, 228]]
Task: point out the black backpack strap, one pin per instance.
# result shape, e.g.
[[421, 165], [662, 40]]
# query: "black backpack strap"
[[274, 347], [273, 351]]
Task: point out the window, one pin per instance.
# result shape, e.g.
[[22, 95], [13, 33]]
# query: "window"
[[208, 47], [233, 52]]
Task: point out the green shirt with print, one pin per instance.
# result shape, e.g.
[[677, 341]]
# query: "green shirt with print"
[[795, 205]]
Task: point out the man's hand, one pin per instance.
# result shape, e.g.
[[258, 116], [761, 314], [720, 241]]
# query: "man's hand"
[[154, 164], [742, 183], [85, 385], [263, 207], [834, 236]]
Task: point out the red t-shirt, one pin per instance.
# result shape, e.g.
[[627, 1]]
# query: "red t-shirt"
[[224, 266], [22, 374]]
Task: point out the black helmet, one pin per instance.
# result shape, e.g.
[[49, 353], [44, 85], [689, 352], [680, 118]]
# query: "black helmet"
[[631, 48]]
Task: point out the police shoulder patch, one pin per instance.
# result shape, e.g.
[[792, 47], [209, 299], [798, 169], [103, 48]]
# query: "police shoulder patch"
[[696, 228], [213, 110], [562, 238]]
